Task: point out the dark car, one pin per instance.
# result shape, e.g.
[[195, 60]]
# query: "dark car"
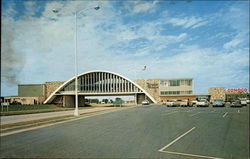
[[236, 103], [15, 103], [218, 103]]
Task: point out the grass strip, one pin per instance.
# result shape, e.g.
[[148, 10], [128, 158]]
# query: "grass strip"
[[39, 111], [44, 121]]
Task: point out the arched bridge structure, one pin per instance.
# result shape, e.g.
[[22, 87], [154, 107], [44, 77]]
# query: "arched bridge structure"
[[97, 83]]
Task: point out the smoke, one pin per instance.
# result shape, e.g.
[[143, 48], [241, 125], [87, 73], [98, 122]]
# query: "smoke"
[[12, 61]]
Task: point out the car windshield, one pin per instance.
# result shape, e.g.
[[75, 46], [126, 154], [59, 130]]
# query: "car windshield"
[[172, 100]]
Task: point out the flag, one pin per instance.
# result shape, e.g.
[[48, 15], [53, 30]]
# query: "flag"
[[144, 68]]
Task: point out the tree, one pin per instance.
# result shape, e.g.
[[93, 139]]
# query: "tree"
[[105, 101], [118, 99]]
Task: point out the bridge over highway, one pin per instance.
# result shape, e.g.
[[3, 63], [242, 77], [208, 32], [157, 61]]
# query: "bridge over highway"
[[97, 83]]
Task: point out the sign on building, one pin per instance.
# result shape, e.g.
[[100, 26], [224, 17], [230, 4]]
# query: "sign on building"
[[236, 90], [152, 85]]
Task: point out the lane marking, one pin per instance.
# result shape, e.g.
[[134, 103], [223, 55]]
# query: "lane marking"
[[213, 111], [238, 111], [61, 122], [171, 113], [195, 114], [193, 155], [190, 110], [178, 138], [225, 114]]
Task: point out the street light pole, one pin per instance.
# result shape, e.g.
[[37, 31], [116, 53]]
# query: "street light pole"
[[145, 85], [76, 112]]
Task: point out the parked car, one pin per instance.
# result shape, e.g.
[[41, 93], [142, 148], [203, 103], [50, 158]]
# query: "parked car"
[[171, 103], [248, 101], [183, 102], [202, 103], [193, 102], [15, 103], [236, 103], [145, 102], [243, 102], [218, 103]]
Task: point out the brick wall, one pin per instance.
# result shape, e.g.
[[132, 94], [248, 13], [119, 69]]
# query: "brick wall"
[[151, 86], [50, 87], [217, 93]]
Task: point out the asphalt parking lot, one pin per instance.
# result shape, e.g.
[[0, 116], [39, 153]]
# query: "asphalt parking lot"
[[151, 131]]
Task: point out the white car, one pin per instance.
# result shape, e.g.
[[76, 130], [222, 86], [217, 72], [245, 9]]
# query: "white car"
[[243, 102], [183, 102], [202, 103], [171, 103], [248, 101], [145, 102]]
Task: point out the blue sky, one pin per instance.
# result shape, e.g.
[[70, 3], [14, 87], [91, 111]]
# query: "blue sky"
[[204, 40]]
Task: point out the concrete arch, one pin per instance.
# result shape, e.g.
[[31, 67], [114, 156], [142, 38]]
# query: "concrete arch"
[[57, 91]]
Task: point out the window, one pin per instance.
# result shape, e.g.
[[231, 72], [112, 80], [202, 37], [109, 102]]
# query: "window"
[[174, 82]]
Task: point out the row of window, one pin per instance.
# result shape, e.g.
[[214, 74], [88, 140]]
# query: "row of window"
[[102, 82], [166, 83], [175, 92]]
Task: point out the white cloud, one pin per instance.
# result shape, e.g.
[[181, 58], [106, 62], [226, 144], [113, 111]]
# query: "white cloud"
[[30, 7], [209, 67], [188, 22], [237, 18], [142, 6], [231, 44], [47, 47]]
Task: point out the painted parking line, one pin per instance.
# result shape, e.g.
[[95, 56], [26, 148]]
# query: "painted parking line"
[[195, 114], [225, 114], [181, 153], [171, 113], [178, 138], [191, 155]]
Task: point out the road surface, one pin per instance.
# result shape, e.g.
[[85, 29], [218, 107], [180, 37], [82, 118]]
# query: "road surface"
[[153, 131]]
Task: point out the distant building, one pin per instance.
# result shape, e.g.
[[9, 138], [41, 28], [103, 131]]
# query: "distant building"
[[217, 93], [229, 94], [33, 93], [158, 89], [164, 89]]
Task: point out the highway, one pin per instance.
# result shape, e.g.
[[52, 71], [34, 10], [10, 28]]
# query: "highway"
[[151, 131]]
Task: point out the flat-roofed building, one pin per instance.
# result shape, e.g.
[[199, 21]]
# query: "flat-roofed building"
[[33, 93], [162, 89]]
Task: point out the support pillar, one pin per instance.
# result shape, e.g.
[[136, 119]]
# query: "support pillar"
[[81, 101], [140, 98], [135, 98], [69, 101]]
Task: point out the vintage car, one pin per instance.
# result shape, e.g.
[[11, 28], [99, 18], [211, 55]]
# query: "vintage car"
[[171, 103], [202, 103], [218, 103]]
